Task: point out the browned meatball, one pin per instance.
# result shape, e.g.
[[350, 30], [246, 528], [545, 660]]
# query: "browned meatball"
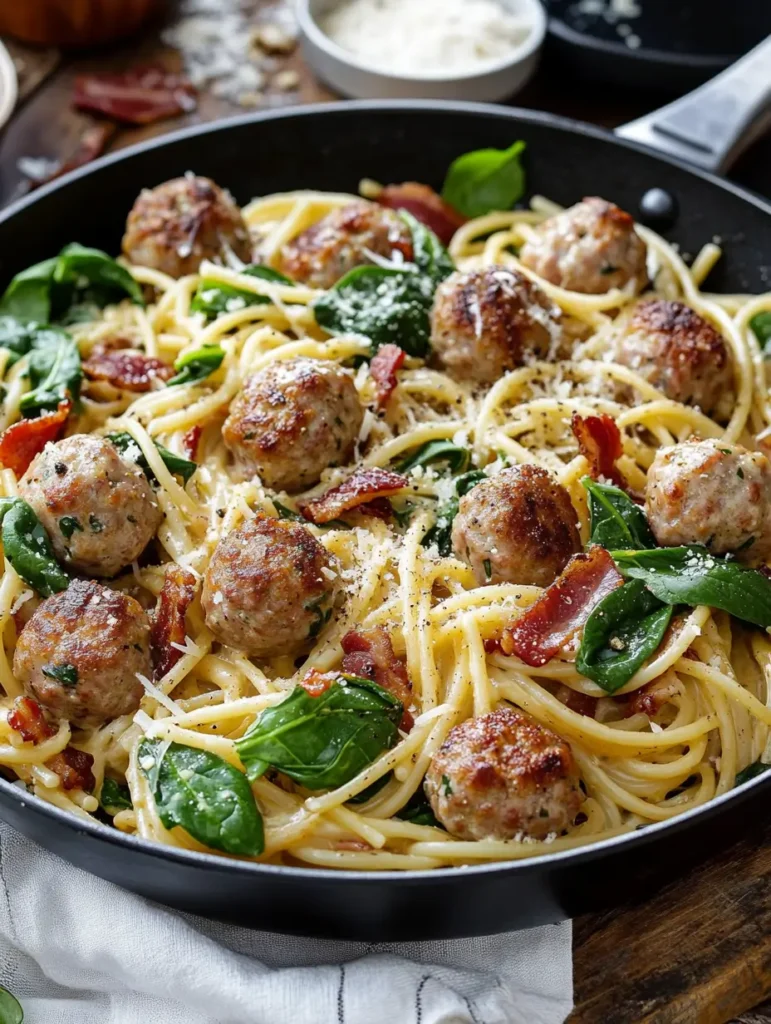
[[516, 527], [676, 350], [712, 493], [292, 420], [80, 653], [503, 775], [343, 240], [488, 321], [97, 507], [592, 247], [269, 589], [176, 225]]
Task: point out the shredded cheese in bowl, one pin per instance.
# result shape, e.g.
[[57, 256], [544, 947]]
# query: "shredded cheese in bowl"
[[417, 37]]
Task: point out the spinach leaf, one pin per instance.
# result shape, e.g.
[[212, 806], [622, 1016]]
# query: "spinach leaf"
[[751, 772], [457, 458], [17, 336], [693, 576], [467, 481], [77, 276], [284, 512], [429, 255], [441, 532], [761, 326], [176, 464], [197, 365], [55, 371], [383, 304], [115, 796], [323, 742], [616, 522], [418, 810], [624, 629], [485, 180], [28, 296], [213, 297], [27, 547], [373, 790], [10, 1008], [64, 673], [204, 795]]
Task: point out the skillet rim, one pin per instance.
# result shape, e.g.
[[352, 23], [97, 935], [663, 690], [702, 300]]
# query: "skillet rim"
[[567, 858]]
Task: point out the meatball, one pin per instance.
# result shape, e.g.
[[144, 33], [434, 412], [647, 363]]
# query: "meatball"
[[292, 420], [97, 507], [712, 493], [516, 527], [676, 350], [503, 775], [592, 247], [81, 651], [488, 321], [269, 589], [176, 225], [344, 239]]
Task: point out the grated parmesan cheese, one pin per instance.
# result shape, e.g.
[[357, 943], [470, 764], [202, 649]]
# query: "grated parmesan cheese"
[[416, 37]]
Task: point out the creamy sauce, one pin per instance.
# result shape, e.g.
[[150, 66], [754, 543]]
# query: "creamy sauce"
[[418, 37]]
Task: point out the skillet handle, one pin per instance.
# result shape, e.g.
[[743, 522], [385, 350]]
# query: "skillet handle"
[[710, 126]]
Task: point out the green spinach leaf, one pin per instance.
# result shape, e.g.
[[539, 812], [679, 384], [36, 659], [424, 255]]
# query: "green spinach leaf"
[[693, 576], [213, 298], [55, 371], [175, 464], [197, 365], [485, 180], [761, 326], [429, 255], [458, 459], [373, 790], [751, 772], [203, 794], [441, 532], [616, 522], [624, 629], [10, 1008], [323, 742], [17, 336], [28, 296], [27, 547], [115, 796], [418, 810], [63, 672]]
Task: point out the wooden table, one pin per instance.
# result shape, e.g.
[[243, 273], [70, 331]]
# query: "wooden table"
[[699, 952]]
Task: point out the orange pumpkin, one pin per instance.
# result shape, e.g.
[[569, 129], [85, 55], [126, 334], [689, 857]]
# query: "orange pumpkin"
[[74, 23]]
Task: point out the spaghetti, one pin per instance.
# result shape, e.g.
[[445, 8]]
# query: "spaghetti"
[[637, 766]]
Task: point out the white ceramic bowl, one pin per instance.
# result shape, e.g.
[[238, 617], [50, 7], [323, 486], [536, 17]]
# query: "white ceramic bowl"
[[8, 85], [349, 75]]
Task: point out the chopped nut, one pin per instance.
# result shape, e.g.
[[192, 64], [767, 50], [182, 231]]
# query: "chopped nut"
[[285, 81], [273, 38]]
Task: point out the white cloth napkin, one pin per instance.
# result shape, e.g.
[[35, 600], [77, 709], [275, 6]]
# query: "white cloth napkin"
[[77, 950]]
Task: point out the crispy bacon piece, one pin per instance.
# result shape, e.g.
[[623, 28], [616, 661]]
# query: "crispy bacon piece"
[[386, 361], [126, 368], [581, 703], [26, 717], [168, 625], [379, 508], [599, 441], [190, 441], [369, 653], [650, 699], [361, 488], [425, 205], [138, 96], [22, 441], [563, 608], [73, 767], [316, 682], [91, 145]]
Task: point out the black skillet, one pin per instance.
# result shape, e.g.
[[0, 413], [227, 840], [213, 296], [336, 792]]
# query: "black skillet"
[[333, 147]]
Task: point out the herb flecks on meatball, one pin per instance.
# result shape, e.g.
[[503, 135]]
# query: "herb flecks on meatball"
[[81, 652], [489, 321], [713, 493], [516, 527], [501, 776], [292, 421], [591, 247], [270, 588], [97, 507], [176, 225], [344, 239]]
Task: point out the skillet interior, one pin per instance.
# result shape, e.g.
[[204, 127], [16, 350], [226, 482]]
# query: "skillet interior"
[[332, 147]]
